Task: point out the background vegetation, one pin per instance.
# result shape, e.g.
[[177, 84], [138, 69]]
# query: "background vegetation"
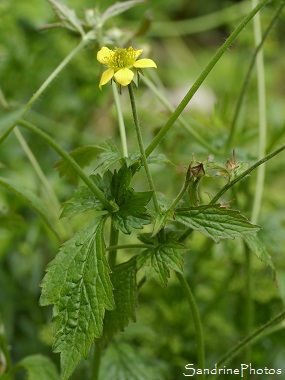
[[76, 113]]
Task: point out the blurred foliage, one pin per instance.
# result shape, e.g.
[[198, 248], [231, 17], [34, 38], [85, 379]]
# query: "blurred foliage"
[[76, 113]]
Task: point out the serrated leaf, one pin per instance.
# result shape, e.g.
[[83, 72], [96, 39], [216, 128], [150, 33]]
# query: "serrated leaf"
[[77, 282], [118, 8], [67, 16], [159, 159], [158, 261], [133, 213], [120, 184], [31, 199], [160, 219], [107, 159], [215, 222], [82, 155], [39, 367], [123, 362], [125, 295], [259, 249]]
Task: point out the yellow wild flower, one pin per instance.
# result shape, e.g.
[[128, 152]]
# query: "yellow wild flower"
[[120, 64]]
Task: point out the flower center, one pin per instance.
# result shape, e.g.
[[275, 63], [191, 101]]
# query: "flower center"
[[123, 57]]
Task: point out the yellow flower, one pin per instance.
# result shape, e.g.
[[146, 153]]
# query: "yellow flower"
[[120, 61]]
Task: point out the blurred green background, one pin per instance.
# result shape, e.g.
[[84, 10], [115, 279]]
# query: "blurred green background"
[[75, 112]]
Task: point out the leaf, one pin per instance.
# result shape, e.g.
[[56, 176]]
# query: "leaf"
[[159, 159], [160, 219], [32, 200], [118, 8], [132, 213], [67, 16], [158, 261], [122, 362], [39, 367], [82, 155], [120, 184], [255, 244], [215, 221], [125, 295], [77, 282], [85, 200]]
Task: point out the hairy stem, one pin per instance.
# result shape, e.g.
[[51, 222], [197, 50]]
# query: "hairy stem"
[[50, 141], [197, 321], [96, 361], [170, 122], [114, 237], [141, 147]]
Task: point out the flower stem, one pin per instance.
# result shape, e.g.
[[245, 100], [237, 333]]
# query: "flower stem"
[[249, 339], [197, 321], [96, 361], [44, 86], [50, 141], [170, 122], [141, 147], [120, 120]]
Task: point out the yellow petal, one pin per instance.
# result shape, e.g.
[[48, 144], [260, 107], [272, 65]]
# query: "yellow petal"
[[137, 53], [124, 76], [145, 62], [104, 55], [106, 76]]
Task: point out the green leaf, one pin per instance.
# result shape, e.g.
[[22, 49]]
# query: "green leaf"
[[85, 200], [122, 362], [77, 282], [215, 221], [39, 368], [83, 156], [160, 219], [118, 8], [259, 249], [158, 261], [32, 200], [125, 295], [159, 159], [120, 184], [132, 213], [67, 16]]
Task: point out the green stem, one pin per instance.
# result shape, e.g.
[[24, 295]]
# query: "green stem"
[[44, 86], [245, 173], [249, 307], [141, 147], [197, 321], [181, 121], [249, 339], [170, 122], [128, 246], [249, 72], [96, 361], [114, 237], [120, 120], [71, 162]]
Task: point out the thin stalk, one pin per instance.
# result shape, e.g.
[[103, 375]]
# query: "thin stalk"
[[249, 72], [197, 321], [249, 306], [199, 24], [128, 246], [181, 121], [96, 361], [120, 120], [170, 122], [114, 237], [44, 86], [141, 147], [250, 339], [245, 173], [50, 141]]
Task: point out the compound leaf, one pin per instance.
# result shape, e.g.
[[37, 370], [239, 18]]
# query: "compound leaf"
[[77, 282], [119, 7], [215, 221], [158, 261], [67, 16], [39, 367], [125, 295]]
